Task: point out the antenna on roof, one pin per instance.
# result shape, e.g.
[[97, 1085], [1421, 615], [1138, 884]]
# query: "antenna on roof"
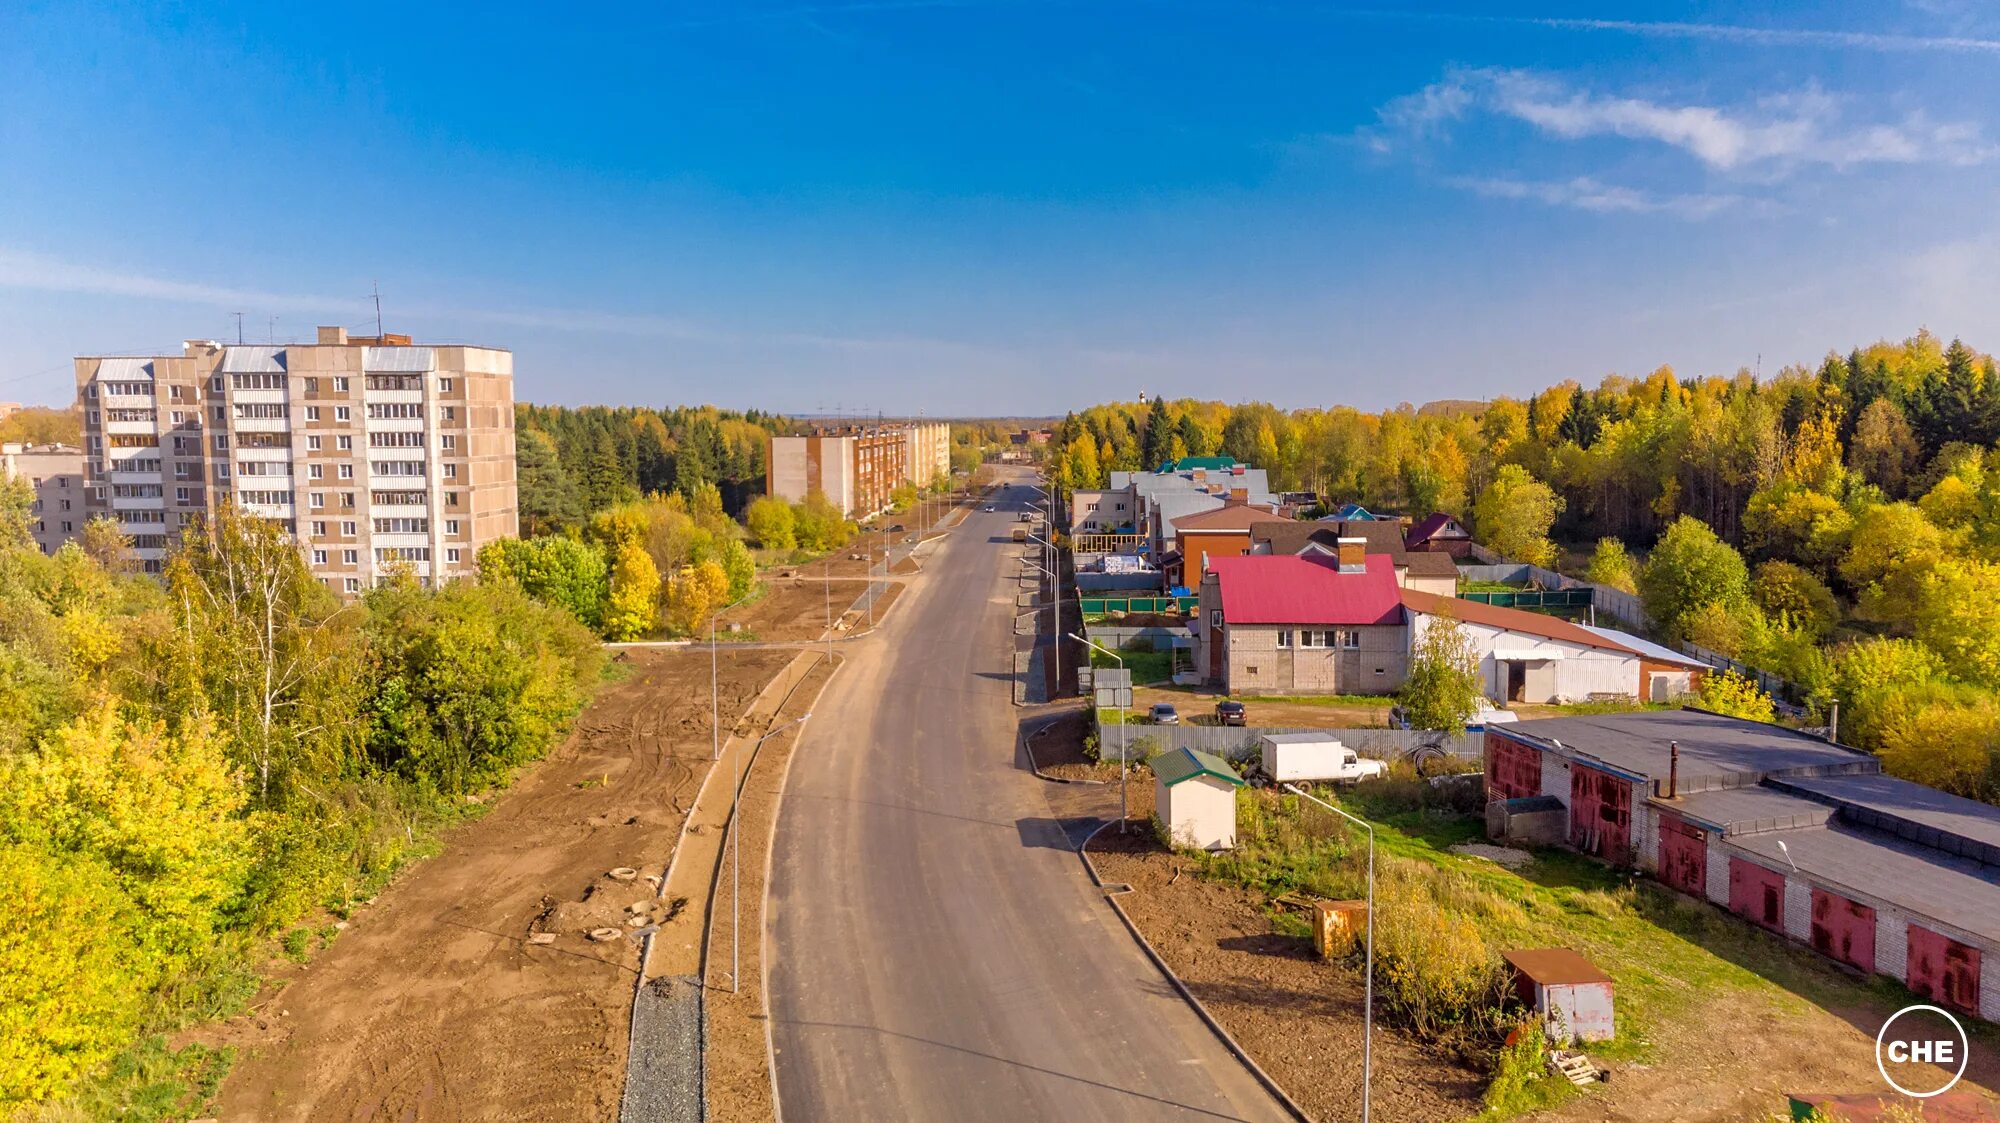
[[239, 329], [378, 311]]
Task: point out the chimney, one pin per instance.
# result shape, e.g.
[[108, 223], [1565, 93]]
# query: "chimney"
[[1239, 494], [1673, 769], [1353, 554], [332, 337]]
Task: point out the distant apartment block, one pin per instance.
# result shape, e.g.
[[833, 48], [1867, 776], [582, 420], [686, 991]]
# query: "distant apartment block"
[[379, 455], [857, 467], [56, 474]]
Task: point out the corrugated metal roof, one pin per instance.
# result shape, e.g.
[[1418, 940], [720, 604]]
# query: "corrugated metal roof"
[[1735, 811], [1930, 813], [1186, 764], [1515, 620], [1645, 647], [1554, 966], [398, 360], [125, 370], [253, 359], [1286, 589]]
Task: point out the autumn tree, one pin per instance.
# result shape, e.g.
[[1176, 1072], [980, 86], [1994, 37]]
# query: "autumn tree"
[[632, 609], [1689, 569], [772, 523], [1442, 688], [1514, 514], [1613, 568], [695, 593]]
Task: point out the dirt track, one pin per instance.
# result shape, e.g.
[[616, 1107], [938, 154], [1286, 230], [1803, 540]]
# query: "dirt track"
[[431, 1005]]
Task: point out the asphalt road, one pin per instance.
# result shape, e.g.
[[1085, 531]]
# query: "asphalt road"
[[938, 951]]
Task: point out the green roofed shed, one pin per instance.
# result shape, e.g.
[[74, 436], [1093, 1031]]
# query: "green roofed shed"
[[1185, 764], [1194, 794]]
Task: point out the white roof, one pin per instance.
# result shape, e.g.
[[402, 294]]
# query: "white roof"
[[1645, 647], [1527, 654], [398, 360], [125, 370], [253, 359]]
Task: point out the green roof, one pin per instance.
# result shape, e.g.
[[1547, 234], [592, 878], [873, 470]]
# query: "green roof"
[[1189, 463], [1186, 764]]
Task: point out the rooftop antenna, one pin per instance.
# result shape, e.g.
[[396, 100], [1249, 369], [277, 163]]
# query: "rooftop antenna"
[[271, 331], [378, 311], [239, 329]]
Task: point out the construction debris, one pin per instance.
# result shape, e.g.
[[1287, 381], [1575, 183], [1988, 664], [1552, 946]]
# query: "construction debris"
[[541, 937], [623, 873], [1576, 1067], [606, 935]]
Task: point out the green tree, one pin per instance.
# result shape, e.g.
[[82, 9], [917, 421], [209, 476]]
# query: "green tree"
[[1443, 685], [772, 523], [1958, 616], [1690, 568], [570, 573], [1794, 598], [17, 513], [1790, 522], [1612, 567], [549, 499], [1514, 514]]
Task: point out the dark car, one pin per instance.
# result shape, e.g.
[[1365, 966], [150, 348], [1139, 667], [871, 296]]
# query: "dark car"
[[1231, 713], [896, 528], [1163, 713]]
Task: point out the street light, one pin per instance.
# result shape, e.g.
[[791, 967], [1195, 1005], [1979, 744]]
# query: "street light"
[[737, 848], [1124, 809], [1056, 584], [1368, 1011]]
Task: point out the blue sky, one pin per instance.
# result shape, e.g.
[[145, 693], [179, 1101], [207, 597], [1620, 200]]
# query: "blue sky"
[[1004, 207]]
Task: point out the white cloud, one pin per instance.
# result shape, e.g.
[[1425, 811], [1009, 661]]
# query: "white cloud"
[[1774, 36], [1587, 194], [1771, 136]]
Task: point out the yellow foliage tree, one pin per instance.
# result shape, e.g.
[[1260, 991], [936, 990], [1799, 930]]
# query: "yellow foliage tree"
[[1726, 692], [633, 607], [694, 593]]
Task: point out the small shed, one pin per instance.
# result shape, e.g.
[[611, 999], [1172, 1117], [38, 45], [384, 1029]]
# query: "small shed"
[[1194, 793], [1537, 820], [1568, 991]]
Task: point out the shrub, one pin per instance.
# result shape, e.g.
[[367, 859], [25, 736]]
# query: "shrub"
[[1434, 969]]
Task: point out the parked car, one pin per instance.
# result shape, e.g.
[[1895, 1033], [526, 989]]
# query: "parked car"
[[1163, 713], [1231, 713], [1483, 714], [895, 528], [990, 508]]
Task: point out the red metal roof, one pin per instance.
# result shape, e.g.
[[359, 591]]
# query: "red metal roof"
[[1287, 589]]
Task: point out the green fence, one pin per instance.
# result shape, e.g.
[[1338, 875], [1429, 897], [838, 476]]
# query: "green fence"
[[1539, 599], [1101, 606]]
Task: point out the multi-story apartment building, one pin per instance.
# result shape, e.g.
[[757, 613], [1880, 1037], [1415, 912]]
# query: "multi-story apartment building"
[[56, 473], [376, 453], [858, 466]]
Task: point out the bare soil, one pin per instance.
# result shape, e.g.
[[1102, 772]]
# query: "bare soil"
[[1298, 1016], [432, 1004], [1057, 748], [1198, 707]]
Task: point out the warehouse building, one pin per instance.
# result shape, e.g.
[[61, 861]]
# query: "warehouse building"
[[1800, 836]]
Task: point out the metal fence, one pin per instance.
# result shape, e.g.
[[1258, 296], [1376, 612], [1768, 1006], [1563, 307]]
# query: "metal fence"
[[1099, 606], [1568, 600], [1240, 743]]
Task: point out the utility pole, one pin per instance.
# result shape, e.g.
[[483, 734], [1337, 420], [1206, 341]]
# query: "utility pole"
[[378, 312], [239, 329]]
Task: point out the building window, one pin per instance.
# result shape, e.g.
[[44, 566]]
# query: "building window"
[[353, 585], [451, 526], [451, 556], [347, 499], [312, 471], [347, 471], [347, 529], [312, 413], [340, 384], [1285, 638], [319, 557], [312, 444], [343, 444], [451, 471], [444, 385], [1351, 640], [319, 530], [342, 413], [220, 441], [312, 385], [222, 471], [451, 499], [450, 413], [318, 500], [448, 441], [350, 557]]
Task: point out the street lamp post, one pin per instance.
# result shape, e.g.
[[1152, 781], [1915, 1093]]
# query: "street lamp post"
[[1368, 1011], [1055, 584], [1124, 809], [736, 858]]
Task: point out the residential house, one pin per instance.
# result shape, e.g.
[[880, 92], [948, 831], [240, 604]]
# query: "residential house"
[[1439, 533], [1802, 837], [1352, 512], [1430, 573], [1103, 510], [56, 472], [1220, 533], [1531, 657], [1291, 624]]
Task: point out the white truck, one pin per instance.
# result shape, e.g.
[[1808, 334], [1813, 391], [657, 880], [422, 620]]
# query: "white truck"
[[1315, 758]]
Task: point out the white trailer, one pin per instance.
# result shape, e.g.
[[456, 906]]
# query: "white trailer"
[[1314, 757]]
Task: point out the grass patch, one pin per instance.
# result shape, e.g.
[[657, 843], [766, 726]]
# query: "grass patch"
[[1467, 585], [1146, 666], [149, 1082]]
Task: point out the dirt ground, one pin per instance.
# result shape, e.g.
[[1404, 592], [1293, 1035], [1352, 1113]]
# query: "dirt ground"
[[1199, 707], [1057, 748], [736, 1061], [794, 609], [1298, 1016], [431, 1004]]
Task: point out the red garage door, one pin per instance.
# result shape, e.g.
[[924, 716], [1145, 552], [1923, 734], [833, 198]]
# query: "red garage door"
[[1944, 970], [1513, 770], [1843, 929], [1757, 893], [1683, 855], [1600, 814]]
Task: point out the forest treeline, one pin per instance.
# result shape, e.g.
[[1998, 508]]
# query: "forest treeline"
[[1837, 524], [194, 764]]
